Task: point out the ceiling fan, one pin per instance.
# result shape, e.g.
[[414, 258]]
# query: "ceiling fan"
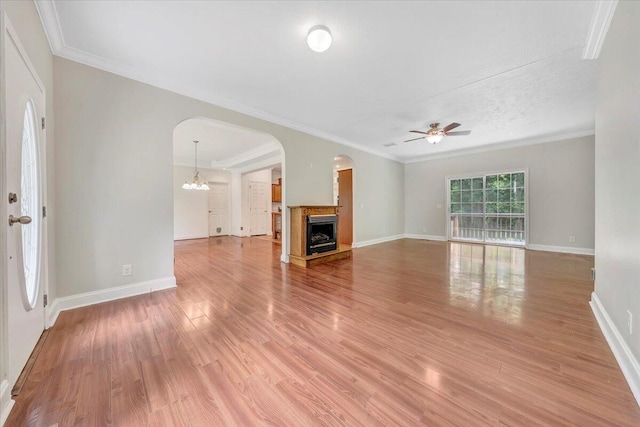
[[435, 133]]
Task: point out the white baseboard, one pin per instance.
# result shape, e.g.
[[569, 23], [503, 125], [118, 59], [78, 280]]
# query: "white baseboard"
[[191, 237], [425, 237], [110, 294], [284, 258], [376, 241], [561, 249], [627, 361], [6, 403]]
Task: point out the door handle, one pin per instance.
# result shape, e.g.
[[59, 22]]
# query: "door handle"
[[21, 220]]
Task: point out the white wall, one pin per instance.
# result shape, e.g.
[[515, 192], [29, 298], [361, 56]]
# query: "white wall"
[[113, 132], [191, 208], [561, 190], [263, 176], [617, 166]]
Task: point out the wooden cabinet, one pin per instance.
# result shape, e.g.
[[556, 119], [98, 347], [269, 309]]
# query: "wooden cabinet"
[[276, 191]]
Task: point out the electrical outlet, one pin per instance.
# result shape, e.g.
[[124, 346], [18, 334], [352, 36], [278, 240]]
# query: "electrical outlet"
[[241, 228], [439, 206], [424, 229], [572, 239], [630, 322], [127, 270]]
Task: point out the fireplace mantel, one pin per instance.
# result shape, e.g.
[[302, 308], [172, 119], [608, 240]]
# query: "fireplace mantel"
[[298, 250]]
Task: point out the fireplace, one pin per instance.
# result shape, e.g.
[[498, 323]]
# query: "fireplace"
[[322, 233]]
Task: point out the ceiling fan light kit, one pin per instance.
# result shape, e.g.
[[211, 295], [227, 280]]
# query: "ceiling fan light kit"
[[319, 38], [435, 138]]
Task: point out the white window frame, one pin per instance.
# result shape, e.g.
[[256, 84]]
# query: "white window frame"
[[447, 183]]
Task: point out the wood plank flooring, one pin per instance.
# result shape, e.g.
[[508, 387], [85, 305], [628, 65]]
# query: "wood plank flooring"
[[405, 333]]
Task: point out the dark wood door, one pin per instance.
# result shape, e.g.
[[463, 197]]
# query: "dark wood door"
[[345, 202]]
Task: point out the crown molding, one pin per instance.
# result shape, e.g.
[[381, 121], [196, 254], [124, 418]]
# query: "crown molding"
[[602, 14], [51, 23], [501, 146]]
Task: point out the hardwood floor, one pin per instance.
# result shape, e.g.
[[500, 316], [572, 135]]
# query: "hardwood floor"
[[405, 333]]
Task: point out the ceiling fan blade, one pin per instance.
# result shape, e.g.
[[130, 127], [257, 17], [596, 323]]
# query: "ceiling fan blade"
[[459, 133], [419, 131], [415, 139], [450, 127]]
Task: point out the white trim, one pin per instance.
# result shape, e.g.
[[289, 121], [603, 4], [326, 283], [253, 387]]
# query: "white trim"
[[425, 237], [602, 14], [110, 294], [561, 249], [51, 23], [11, 32], [500, 146], [627, 361], [284, 258], [191, 237], [376, 241], [6, 403]]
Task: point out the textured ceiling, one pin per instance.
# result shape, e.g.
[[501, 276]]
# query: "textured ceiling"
[[508, 71]]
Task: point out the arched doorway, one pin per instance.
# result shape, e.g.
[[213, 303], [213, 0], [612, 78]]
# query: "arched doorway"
[[229, 158], [343, 196]]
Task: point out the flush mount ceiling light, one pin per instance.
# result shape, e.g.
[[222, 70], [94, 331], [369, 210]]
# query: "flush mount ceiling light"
[[319, 38], [196, 184]]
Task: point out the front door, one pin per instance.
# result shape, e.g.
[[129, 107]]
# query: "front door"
[[23, 200], [218, 209]]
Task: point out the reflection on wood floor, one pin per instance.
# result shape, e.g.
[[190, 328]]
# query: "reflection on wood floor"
[[405, 333]]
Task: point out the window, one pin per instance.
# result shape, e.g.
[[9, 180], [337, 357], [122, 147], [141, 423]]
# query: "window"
[[30, 206], [488, 208]]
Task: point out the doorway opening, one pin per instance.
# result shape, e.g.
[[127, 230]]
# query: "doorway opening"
[[343, 196], [238, 165]]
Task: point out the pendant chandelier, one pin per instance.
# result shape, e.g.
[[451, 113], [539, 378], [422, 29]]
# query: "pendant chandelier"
[[196, 184]]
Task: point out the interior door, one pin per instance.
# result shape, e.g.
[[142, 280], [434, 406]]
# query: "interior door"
[[345, 203], [218, 209], [258, 208], [23, 199]]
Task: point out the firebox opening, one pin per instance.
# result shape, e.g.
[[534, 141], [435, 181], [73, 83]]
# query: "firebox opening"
[[321, 233]]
